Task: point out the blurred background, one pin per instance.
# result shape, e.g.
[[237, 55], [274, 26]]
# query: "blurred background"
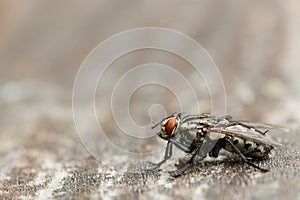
[[255, 45]]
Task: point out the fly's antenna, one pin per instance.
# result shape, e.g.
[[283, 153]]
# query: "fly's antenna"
[[155, 124], [181, 114]]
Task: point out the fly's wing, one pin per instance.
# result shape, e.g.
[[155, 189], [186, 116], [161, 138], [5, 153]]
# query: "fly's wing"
[[263, 126], [249, 132], [213, 135]]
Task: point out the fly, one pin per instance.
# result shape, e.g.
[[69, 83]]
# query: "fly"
[[206, 134]]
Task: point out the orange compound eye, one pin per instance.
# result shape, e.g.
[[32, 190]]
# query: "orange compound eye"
[[170, 125]]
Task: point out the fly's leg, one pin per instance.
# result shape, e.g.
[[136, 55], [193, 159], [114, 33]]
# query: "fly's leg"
[[243, 157], [168, 154], [181, 146], [187, 165], [201, 151], [215, 151]]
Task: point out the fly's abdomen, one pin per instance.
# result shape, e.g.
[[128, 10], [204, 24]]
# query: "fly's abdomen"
[[248, 148]]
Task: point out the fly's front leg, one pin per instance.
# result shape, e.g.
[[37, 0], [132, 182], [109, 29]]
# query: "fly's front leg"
[[181, 146], [168, 154]]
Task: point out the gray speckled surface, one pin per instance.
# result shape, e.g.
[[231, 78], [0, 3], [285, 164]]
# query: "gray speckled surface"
[[254, 44]]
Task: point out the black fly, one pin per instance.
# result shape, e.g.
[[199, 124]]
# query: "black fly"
[[207, 134]]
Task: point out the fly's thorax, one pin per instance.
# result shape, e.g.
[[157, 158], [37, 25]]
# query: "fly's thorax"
[[191, 132], [204, 120], [169, 126], [195, 126]]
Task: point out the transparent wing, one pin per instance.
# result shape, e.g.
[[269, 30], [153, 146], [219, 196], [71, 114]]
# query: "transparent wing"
[[262, 126], [248, 131]]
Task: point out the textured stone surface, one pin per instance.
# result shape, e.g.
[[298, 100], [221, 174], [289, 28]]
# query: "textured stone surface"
[[42, 45]]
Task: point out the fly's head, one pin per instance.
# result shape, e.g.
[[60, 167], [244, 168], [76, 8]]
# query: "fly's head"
[[169, 126]]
